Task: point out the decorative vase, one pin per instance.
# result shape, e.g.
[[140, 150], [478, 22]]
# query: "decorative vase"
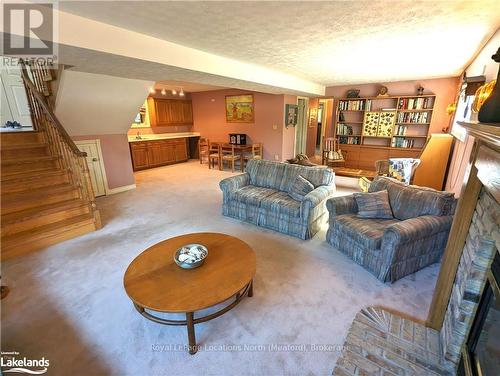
[[490, 110]]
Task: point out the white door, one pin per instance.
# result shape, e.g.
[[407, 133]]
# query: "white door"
[[96, 165], [15, 95]]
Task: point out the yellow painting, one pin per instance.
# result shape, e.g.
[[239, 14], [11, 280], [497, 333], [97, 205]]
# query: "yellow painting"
[[239, 108]]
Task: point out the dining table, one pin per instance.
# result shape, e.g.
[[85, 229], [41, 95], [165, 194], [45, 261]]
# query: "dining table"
[[238, 149]]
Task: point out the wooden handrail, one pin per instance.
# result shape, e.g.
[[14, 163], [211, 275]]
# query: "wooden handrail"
[[48, 111], [70, 158]]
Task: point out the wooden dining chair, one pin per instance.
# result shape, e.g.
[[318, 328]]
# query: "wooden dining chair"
[[256, 153], [214, 154], [203, 149], [228, 155]]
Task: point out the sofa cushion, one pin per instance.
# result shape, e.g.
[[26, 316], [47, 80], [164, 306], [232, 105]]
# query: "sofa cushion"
[[299, 188], [374, 205], [412, 201], [282, 203], [317, 175], [366, 232], [252, 195], [265, 174]]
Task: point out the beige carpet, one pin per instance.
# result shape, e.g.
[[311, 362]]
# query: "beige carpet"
[[67, 302]]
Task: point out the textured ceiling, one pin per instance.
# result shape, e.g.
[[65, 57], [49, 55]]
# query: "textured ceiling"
[[338, 42], [91, 61]]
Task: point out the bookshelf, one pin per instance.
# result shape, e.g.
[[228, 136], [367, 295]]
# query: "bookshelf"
[[372, 128]]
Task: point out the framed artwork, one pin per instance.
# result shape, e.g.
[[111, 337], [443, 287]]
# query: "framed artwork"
[[239, 108], [313, 117], [370, 123], [386, 123], [291, 112]]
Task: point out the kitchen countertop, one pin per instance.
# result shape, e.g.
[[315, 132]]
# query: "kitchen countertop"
[[162, 136]]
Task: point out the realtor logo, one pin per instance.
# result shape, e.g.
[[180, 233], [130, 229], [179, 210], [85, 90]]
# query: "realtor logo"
[[28, 29]]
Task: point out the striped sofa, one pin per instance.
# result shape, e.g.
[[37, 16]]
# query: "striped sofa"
[[393, 248], [260, 196]]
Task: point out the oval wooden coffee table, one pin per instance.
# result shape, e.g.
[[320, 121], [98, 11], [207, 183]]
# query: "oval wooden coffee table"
[[155, 283]]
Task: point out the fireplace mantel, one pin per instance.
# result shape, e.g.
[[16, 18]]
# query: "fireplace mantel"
[[483, 171]]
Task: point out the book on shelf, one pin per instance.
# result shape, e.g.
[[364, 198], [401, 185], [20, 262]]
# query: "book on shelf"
[[413, 117], [352, 105], [350, 140], [418, 103], [343, 129], [401, 142], [400, 130]]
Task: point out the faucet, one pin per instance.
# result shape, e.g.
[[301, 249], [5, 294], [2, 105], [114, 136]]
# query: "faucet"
[[138, 136]]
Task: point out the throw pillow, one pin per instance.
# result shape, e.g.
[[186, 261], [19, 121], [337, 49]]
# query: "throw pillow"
[[299, 188], [373, 205]]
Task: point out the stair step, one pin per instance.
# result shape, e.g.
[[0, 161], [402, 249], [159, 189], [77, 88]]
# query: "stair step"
[[29, 176], [24, 137], [28, 160], [14, 166], [27, 181], [42, 215], [43, 236], [18, 201], [26, 150]]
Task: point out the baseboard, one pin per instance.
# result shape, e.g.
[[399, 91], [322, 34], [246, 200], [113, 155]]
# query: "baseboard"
[[112, 191]]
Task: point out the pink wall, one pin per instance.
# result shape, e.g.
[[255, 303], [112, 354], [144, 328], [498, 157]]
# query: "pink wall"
[[210, 119], [116, 156], [444, 88]]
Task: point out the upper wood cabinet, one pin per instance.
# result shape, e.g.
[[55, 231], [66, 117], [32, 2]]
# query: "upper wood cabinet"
[[165, 112]]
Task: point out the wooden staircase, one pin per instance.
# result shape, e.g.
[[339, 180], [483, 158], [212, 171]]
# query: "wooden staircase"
[[46, 193]]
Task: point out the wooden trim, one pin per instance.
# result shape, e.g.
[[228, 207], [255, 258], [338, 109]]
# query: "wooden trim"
[[123, 188], [483, 171], [488, 132], [453, 252]]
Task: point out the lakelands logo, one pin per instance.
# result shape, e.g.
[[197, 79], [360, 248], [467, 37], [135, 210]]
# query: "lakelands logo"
[[10, 362]]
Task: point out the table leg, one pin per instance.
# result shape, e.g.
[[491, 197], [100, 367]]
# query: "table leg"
[[250, 289], [191, 337]]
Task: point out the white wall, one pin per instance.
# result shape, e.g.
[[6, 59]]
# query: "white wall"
[[483, 64], [94, 104]]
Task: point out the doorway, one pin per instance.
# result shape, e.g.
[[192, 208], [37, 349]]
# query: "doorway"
[[95, 164], [324, 106], [319, 131], [14, 101], [301, 128]]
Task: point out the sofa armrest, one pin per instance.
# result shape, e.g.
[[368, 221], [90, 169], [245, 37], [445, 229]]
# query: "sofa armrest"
[[234, 183], [315, 198], [342, 205], [413, 229]]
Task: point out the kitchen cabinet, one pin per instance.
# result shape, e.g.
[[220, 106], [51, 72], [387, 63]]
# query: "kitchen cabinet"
[[139, 153], [167, 112], [148, 154]]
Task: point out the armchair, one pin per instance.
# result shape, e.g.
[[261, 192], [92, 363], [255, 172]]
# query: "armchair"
[[393, 248]]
